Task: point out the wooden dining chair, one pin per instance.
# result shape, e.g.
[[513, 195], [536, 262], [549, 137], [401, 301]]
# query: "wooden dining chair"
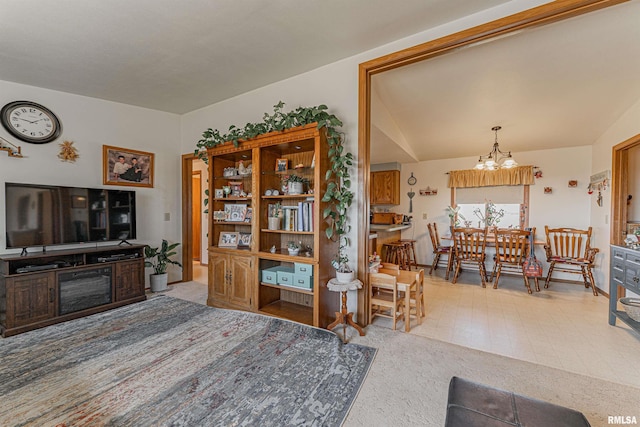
[[439, 250], [417, 297], [512, 248], [469, 249], [384, 300], [389, 268], [569, 250]]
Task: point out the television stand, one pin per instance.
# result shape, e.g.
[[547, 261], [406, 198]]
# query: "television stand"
[[123, 242], [43, 288]]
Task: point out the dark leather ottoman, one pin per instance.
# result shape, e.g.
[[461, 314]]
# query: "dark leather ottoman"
[[471, 404]]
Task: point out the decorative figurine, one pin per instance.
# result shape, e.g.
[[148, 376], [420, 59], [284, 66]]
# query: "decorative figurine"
[[241, 169]]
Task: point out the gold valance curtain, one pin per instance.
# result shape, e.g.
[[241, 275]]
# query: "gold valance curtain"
[[520, 175]]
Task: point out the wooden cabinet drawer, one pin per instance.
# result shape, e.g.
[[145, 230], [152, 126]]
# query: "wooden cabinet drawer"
[[633, 259]]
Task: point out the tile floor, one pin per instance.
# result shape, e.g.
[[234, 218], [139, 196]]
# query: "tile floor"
[[563, 327]]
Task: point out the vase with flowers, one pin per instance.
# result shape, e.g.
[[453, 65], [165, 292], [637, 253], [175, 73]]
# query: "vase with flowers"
[[491, 216]]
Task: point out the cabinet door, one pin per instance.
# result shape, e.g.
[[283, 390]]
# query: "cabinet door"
[[241, 279], [385, 188], [632, 272], [129, 280], [30, 299], [218, 278]]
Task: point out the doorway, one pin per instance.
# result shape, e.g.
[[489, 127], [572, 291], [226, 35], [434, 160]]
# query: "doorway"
[[537, 16], [196, 215], [194, 219]]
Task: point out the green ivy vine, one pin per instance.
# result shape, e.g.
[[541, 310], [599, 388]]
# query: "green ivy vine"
[[338, 195]]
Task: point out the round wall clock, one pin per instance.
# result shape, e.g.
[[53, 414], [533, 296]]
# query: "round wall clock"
[[412, 180], [30, 122]]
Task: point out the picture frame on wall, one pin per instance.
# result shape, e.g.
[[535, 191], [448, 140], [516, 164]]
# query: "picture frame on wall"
[[124, 166], [228, 239]]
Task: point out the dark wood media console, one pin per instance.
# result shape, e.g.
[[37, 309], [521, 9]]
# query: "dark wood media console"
[[44, 288]]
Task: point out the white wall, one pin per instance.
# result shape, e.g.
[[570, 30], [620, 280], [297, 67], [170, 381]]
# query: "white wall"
[[627, 126], [335, 85], [91, 123]]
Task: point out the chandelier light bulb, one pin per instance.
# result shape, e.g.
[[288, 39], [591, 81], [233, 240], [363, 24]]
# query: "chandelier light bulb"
[[496, 159]]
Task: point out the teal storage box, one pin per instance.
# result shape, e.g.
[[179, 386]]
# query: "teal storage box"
[[303, 269], [270, 275], [285, 276], [303, 281]]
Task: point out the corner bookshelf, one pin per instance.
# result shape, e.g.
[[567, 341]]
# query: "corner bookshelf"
[[258, 273]]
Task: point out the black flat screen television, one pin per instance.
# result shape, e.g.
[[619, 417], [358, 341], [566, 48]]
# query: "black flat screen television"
[[45, 215]]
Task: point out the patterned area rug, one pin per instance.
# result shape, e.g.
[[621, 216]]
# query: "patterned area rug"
[[166, 361]]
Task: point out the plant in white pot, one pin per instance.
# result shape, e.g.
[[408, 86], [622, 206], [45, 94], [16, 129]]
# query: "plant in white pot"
[[295, 184], [159, 259], [344, 273], [293, 248], [274, 219]]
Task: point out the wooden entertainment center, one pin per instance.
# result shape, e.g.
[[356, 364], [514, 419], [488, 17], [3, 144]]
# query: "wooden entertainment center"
[[43, 288]]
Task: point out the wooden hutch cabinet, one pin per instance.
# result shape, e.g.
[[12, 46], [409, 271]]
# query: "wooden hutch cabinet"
[[250, 267], [385, 188]]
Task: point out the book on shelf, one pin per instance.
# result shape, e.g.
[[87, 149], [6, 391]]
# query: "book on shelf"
[[305, 214], [290, 216]]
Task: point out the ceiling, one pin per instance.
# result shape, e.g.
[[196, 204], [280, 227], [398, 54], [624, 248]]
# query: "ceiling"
[[178, 56], [560, 85]]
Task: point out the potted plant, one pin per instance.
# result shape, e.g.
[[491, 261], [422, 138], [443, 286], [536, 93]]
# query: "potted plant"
[[159, 259], [344, 273], [274, 217], [293, 248], [295, 184], [338, 196]]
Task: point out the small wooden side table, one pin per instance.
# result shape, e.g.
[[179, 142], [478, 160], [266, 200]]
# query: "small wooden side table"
[[343, 317]]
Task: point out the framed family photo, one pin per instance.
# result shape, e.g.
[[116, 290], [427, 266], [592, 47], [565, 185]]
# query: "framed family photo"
[[123, 166], [228, 239]]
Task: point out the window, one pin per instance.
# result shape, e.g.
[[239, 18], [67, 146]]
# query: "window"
[[511, 200]]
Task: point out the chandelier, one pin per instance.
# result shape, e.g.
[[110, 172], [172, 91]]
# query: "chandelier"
[[496, 159]]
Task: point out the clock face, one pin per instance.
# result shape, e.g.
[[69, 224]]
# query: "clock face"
[[30, 122], [412, 180]]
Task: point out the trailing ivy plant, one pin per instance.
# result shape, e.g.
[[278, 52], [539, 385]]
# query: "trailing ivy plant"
[[338, 195]]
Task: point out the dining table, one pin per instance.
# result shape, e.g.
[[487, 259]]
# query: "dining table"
[[406, 280]]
